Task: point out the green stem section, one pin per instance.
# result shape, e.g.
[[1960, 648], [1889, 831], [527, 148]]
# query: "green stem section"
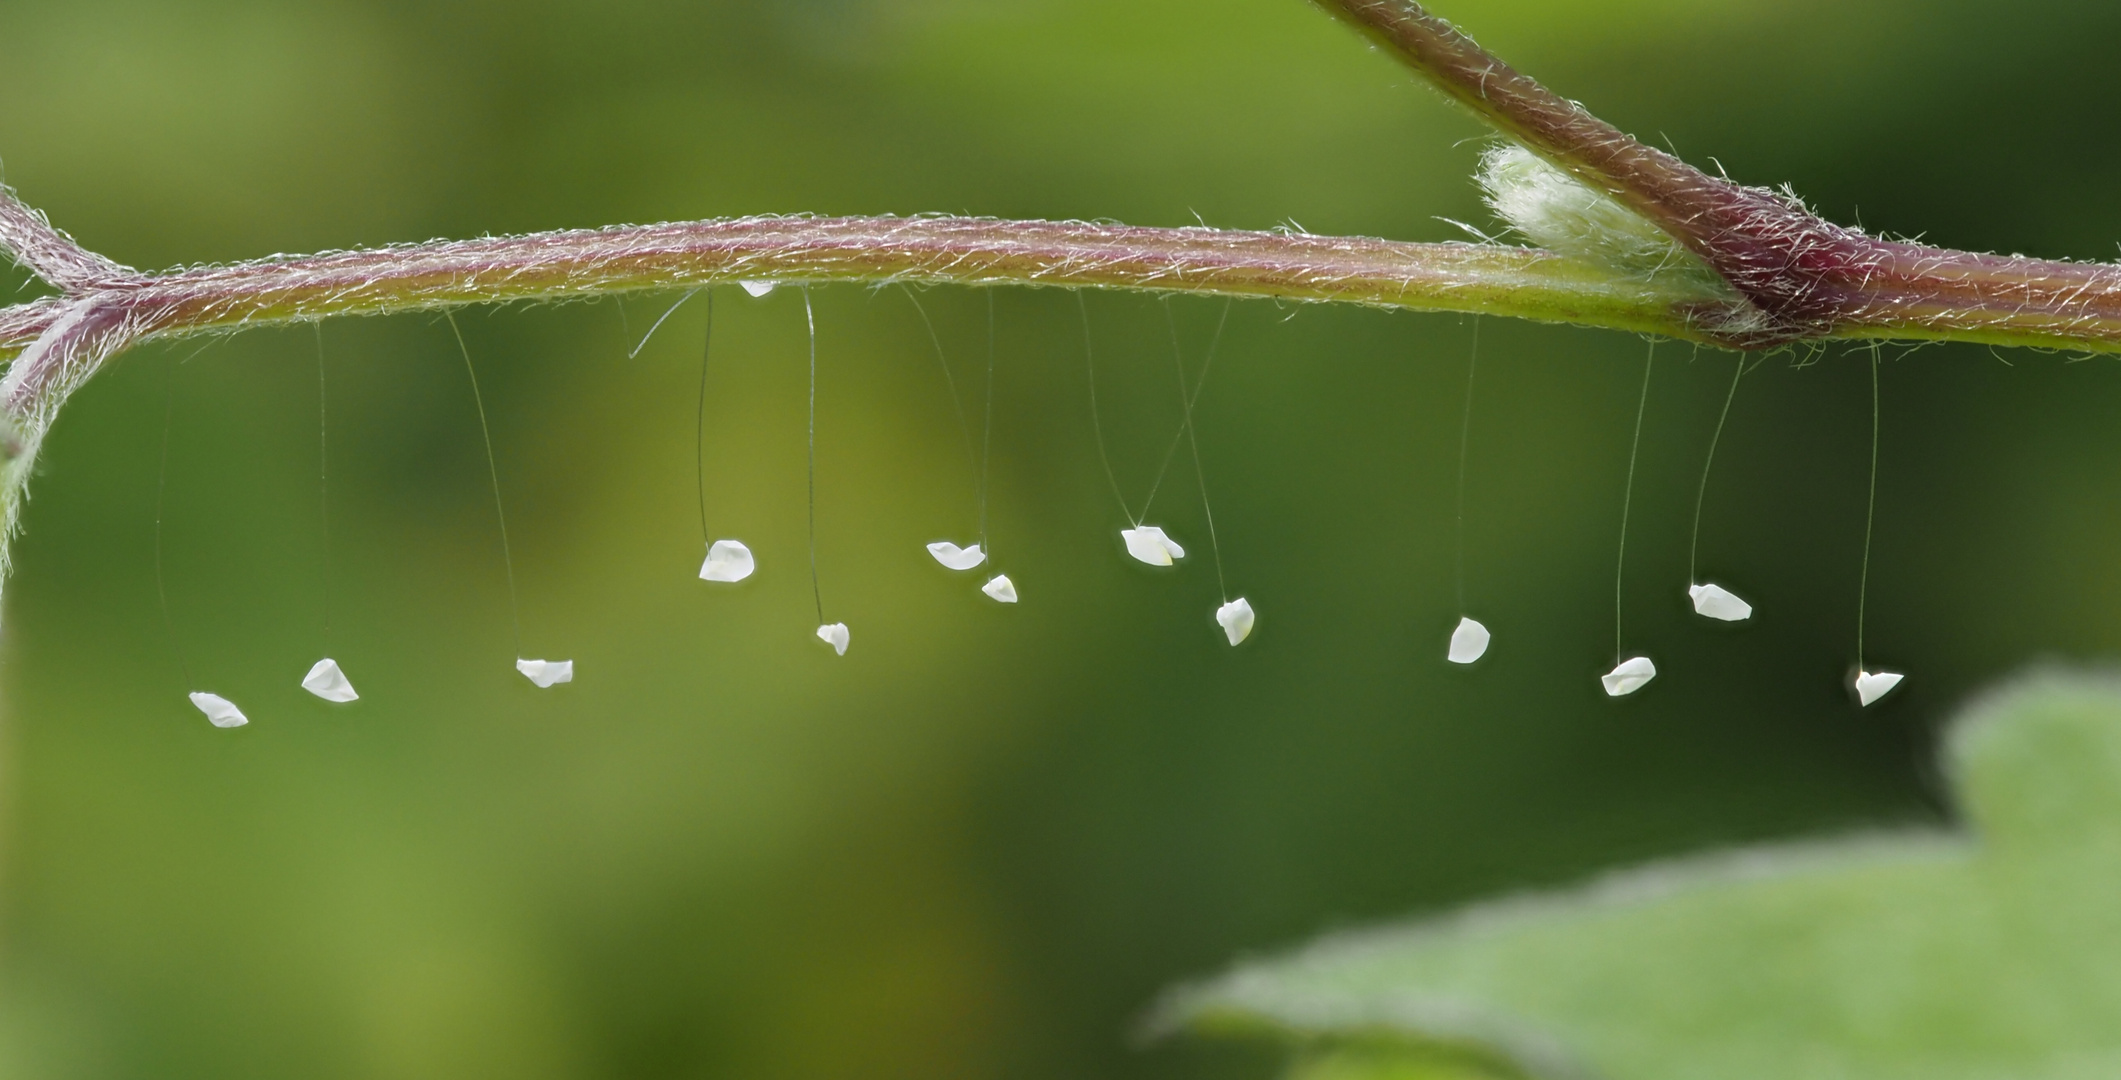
[[933, 250]]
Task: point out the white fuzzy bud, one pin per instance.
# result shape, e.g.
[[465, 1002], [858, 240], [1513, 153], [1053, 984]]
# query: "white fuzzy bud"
[[1558, 212]]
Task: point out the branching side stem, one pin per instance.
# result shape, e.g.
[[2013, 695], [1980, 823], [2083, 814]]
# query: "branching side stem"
[[1804, 277]]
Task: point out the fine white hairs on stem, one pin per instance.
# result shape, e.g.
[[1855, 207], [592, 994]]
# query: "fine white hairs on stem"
[[547, 673], [1147, 543], [1000, 588], [1469, 642], [1236, 619], [759, 288], [1628, 677], [1717, 602], [1872, 685], [727, 561], [955, 557], [328, 682], [835, 635], [221, 711]]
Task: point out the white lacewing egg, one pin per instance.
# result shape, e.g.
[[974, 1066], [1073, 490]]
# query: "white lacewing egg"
[[1148, 544], [1630, 676], [221, 711], [1000, 588], [1236, 619], [1872, 685], [1717, 602], [758, 288], [727, 560], [1469, 642], [955, 557], [326, 681], [547, 673], [835, 635]]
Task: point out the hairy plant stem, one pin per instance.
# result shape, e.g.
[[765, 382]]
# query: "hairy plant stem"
[[1786, 275], [968, 251], [1804, 277]]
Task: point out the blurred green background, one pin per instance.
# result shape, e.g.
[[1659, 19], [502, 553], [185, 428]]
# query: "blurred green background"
[[983, 841]]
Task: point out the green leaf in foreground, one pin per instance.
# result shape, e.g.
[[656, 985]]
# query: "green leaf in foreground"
[[1991, 952]]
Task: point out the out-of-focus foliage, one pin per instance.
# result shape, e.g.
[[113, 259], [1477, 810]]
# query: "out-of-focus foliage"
[[980, 843], [1994, 956]]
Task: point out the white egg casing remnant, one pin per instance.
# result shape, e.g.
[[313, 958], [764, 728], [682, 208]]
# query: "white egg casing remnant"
[[1631, 675], [546, 674], [835, 635], [955, 557], [1719, 603], [727, 561], [1236, 619], [328, 682], [219, 710], [1872, 685], [1149, 544], [1469, 642]]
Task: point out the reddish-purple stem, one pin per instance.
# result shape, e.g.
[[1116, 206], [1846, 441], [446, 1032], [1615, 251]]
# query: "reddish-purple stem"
[[1794, 275], [973, 251], [1807, 276]]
